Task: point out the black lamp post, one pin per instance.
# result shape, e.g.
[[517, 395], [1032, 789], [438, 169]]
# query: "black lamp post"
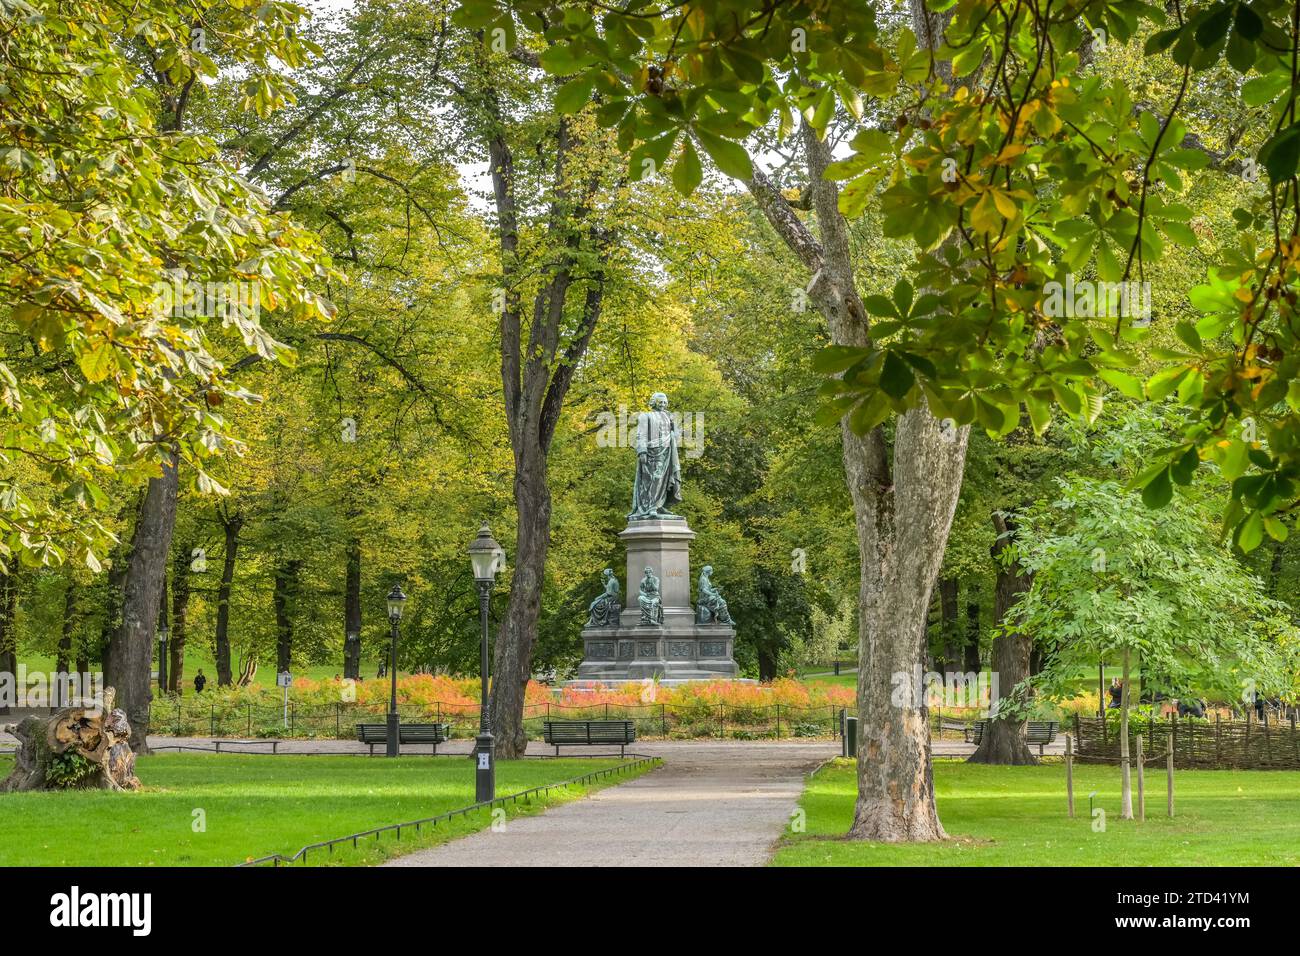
[[396, 599], [486, 556], [163, 634]]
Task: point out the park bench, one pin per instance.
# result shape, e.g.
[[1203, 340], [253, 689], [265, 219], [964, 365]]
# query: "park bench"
[[434, 734], [588, 733], [959, 726], [1038, 732]]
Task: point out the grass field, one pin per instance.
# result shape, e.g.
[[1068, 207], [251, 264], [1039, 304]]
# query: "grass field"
[[257, 805], [199, 657], [1016, 816]]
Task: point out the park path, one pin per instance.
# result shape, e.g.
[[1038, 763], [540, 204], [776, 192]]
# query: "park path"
[[710, 804]]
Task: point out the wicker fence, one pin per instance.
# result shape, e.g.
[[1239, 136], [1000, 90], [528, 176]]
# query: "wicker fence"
[[1207, 744]]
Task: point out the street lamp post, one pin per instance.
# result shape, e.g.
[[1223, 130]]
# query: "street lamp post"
[[163, 634], [486, 557], [396, 600]]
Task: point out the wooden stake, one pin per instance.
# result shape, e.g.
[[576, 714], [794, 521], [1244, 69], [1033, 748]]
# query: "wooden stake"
[[1142, 793], [1069, 774], [1169, 764]]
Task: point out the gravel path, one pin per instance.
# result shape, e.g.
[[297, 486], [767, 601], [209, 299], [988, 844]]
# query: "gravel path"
[[710, 804]]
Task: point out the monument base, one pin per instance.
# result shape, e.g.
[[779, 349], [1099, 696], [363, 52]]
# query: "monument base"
[[671, 652], [594, 685], [677, 650]]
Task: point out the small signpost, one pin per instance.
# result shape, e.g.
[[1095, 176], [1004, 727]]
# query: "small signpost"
[[285, 679]]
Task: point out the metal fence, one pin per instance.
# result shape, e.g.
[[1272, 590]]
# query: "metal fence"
[[276, 859], [189, 717]]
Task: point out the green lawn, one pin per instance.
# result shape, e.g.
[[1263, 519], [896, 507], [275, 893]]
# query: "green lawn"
[[257, 805], [999, 816], [199, 657]]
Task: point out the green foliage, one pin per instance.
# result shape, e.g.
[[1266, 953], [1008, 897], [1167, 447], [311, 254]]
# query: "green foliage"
[[1009, 179], [706, 74], [102, 208], [1111, 577], [69, 769]]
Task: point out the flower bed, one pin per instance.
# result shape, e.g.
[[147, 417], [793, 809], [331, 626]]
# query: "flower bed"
[[331, 708]]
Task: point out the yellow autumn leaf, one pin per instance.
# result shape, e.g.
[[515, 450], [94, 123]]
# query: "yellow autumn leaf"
[[984, 217], [97, 363], [1004, 203]]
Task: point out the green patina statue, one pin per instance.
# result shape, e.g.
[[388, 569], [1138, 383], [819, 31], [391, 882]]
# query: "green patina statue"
[[710, 607], [658, 467], [652, 608], [604, 611]]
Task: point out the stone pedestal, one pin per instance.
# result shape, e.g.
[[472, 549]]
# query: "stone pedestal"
[[677, 650]]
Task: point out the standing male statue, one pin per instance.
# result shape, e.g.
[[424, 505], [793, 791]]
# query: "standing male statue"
[[658, 468]]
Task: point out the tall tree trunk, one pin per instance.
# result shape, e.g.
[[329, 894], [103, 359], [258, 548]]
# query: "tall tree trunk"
[[232, 525], [950, 625], [142, 591], [284, 598], [352, 612], [512, 660], [535, 379], [1004, 736], [8, 628], [903, 521], [903, 512], [113, 594], [971, 652], [59, 680], [1126, 779], [180, 618]]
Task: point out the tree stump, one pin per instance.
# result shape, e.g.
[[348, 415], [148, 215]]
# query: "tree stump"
[[78, 748]]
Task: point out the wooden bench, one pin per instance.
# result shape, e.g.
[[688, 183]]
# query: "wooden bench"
[[1039, 732], [589, 733], [434, 734], [959, 726]]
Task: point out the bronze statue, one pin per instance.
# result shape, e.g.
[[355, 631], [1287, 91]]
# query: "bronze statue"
[[604, 611], [658, 467]]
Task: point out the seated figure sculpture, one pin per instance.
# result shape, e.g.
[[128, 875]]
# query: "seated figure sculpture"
[[652, 609], [711, 607], [604, 611]]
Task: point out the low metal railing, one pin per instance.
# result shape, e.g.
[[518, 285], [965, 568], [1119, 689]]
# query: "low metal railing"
[[276, 859]]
